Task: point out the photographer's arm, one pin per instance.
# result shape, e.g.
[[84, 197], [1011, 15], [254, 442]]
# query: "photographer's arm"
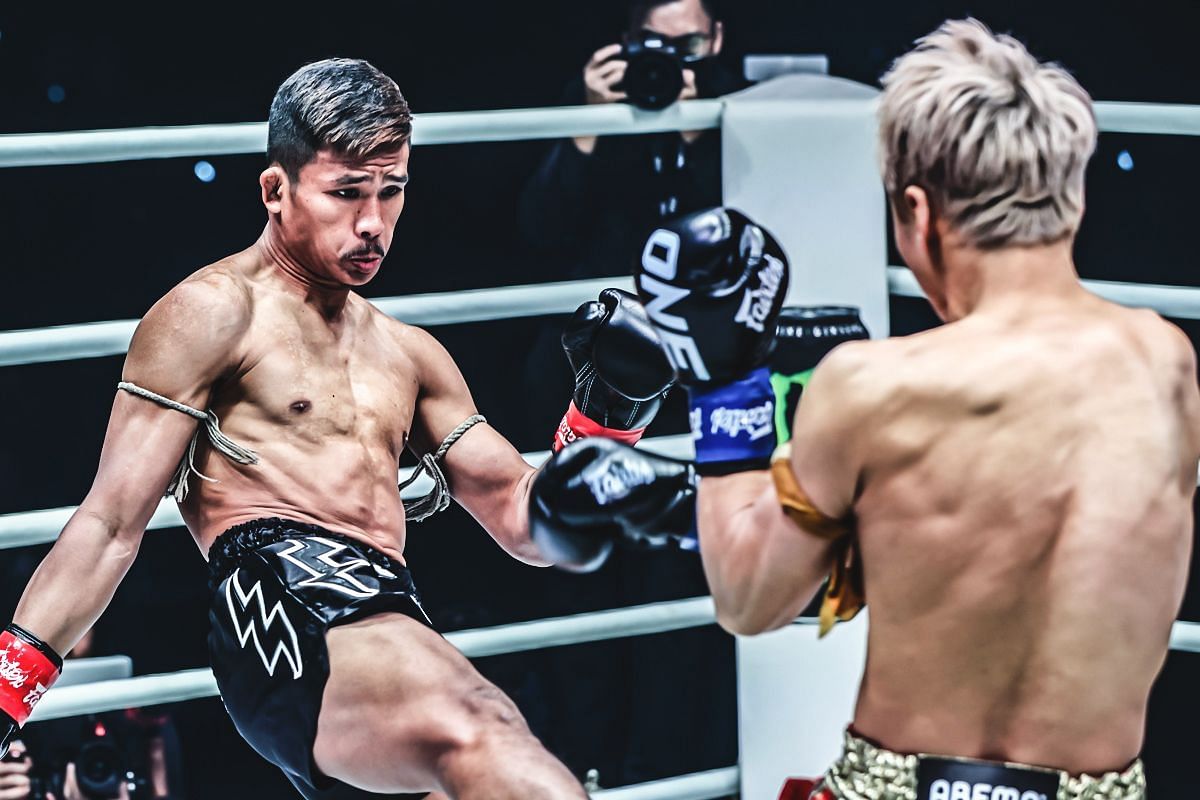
[[557, 200]]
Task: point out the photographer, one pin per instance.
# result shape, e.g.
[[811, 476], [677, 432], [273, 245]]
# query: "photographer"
[[585, 213], [117, 755], [592, 199], [588, 206]]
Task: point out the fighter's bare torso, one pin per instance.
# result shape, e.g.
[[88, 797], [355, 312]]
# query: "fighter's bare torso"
[[327, 402], [1025, 520]]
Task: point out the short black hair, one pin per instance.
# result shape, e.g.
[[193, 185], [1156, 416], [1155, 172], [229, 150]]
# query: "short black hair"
[[639, 10], [341, 103]]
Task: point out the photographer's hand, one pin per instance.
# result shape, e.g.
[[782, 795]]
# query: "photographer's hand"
[[14, 774], [600, 74]]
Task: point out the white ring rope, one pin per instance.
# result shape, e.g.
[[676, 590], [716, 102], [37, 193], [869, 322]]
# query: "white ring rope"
[[25, 528], [463, 127], [96, 339], [697, 786], [194, 684], [456, 127], [1148, 118], [1180, 302]]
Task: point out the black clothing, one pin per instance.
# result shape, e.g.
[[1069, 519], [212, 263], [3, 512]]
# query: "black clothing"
[[588, 214], [278, 587]]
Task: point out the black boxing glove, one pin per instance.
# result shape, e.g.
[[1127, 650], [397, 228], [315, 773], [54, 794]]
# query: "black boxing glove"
[[597, 491], [713, 283], [28, 667], [622, 372]]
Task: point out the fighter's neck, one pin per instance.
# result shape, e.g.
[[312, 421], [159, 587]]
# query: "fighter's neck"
[[294, 275], [1011, 277]]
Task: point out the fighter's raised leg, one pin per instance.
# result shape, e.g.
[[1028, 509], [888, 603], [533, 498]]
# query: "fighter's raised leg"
[[396, 687]]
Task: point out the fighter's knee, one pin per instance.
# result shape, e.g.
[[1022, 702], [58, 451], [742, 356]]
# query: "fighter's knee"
[[482, 716], [480, 726], [488, 707]]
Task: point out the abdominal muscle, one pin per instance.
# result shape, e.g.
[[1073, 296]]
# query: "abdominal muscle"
[[345, 486]]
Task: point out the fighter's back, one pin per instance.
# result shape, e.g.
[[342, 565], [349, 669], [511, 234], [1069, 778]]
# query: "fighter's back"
[[1025, 522]]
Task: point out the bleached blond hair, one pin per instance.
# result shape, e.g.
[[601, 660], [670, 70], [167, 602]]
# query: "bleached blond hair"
[[997, 140]]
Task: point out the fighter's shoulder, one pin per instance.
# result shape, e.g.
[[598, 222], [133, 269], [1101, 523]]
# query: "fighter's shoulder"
[[413, 342], [1169, 340], [214, 295], [857, 371], [202, 322], [1154, 338]]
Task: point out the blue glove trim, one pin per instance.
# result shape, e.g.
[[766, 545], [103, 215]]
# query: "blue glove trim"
[[734, 423]]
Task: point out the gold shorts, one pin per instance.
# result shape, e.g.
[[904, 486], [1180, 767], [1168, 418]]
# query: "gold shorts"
[[866, 771]]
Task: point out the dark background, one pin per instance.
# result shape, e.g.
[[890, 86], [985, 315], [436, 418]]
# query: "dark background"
[[99, 242]]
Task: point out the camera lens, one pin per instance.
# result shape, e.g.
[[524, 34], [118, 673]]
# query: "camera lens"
[[653, 79], [99, 770]]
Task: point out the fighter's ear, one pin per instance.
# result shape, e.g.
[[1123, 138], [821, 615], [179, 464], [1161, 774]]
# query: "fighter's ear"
[[274, 182], [916, 209]]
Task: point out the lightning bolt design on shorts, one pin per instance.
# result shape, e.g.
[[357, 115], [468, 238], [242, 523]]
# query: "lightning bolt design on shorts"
[[244, 624], [338, 577]]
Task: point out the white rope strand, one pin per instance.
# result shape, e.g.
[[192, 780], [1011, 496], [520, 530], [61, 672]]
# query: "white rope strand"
[[697, 786], [96, 339], [465, 127], [1148, 118], [1179, 302], [194, 684], [576, 629], [455, 127]]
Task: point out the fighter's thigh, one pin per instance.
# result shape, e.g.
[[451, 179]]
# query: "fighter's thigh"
[[398, 698]]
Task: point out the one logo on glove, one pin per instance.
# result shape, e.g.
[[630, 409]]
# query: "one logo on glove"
[[612, 480], [757, 421], [660, 257], [757, 303]]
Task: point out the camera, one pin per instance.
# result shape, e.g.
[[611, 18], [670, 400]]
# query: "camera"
[[654, 75], [100, 769], [105, 755]]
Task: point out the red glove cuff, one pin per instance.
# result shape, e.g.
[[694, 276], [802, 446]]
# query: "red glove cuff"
[[804, 789], [26, 672], [575, 425]]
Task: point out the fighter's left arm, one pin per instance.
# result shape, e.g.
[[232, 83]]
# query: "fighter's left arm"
[[486, 474], [762, 567]]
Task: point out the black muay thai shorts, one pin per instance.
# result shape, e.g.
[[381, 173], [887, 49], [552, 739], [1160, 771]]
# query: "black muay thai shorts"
[[278, 586]]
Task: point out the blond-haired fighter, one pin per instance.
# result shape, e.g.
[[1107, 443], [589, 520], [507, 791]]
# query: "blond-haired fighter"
[[1012, 491]]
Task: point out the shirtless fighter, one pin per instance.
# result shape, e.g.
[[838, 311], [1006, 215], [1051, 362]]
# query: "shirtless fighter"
[[1011, 490], [306, 396]]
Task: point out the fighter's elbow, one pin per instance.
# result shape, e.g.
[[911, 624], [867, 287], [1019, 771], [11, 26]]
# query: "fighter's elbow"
[[745, 621], [527, 553], [121, 531]]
